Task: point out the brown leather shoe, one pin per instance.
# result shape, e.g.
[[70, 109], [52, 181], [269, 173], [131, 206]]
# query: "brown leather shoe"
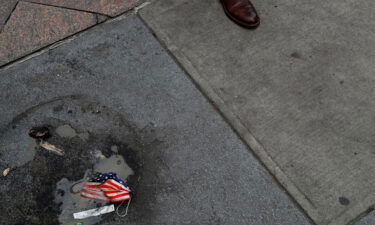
[[242, 12]]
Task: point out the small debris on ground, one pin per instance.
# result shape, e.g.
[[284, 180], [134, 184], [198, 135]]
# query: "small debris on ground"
[[108, 187], [94, 212], [6, 171], [98, 154], [96, 111], [51, 148], [40, 133]]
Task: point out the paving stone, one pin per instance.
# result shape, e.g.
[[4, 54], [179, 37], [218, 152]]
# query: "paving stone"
[[33, 26], [6, 9], [367, 219], [107, 7]]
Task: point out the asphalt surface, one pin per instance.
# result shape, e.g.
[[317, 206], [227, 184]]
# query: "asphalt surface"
[[114, 98]]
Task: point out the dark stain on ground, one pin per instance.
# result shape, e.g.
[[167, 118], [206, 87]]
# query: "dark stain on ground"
[[296, 55], [78, 66], [27, 194], [25, 113], [46, 170], [100, 50], [58, 108], [344, 201]]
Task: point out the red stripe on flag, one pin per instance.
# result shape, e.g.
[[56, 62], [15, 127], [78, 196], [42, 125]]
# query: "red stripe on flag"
[[118, 196], [98, 193], [95, 198], [114, 192], [116, 184], [92, 186], [108, 187], [94, 195], [120, 199]]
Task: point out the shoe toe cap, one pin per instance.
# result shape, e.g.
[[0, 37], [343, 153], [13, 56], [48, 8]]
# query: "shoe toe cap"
[[252, 20], [246, 17]]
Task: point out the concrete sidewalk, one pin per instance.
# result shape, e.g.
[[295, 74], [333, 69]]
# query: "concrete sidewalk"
[[299, 90]]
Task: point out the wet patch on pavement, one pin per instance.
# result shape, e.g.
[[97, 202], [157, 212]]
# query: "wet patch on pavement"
[[93, 138]]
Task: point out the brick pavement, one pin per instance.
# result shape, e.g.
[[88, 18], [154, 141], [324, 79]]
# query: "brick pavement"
[[27, 26]]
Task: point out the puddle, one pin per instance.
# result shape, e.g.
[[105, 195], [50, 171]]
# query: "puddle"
[[114, 163], [114, 148], [66, 131], [70, 202], [102, 142]]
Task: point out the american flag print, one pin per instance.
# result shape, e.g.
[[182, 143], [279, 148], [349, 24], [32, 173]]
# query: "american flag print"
[[106, 187]]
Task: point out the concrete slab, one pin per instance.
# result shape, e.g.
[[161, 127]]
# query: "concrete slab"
[[115, 91], [367, 220], [6, 9], [33, 26], [298, 90], [106, 7]]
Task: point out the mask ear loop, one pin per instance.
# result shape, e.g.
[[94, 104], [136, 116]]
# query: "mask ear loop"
[[126, 210], [76, 183]]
